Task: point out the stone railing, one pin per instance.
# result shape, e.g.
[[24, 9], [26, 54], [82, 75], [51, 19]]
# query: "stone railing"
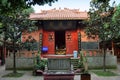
[[22, 63], [96, 62], [59, 64]]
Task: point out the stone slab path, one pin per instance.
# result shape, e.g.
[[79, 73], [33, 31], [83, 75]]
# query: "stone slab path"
[[28, 75]]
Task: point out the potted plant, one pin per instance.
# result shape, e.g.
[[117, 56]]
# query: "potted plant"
[[39, 66], [80, 67], [84, 63]]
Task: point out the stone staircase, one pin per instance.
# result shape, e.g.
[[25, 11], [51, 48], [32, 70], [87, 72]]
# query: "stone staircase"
[[74, 62]]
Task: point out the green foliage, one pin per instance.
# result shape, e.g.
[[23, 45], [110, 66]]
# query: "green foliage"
[[14, 24], [116, 16], [99, 68], [28, 44], [14, 19], [13, 75], [83, 62], [100, 1], [116, 21], [11, 5], [8, 6], [107, 73], [40, 2], [1, 25], [100, 22], [39, 63], [1, 28], [27, 11]]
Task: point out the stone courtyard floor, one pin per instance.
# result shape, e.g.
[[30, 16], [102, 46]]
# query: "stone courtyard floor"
[[28, 75]]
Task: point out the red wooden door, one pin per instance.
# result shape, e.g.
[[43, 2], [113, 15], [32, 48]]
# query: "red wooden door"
[[71, 41]]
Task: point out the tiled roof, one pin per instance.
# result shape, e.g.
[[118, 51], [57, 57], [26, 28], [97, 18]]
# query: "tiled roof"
[[59, 14]]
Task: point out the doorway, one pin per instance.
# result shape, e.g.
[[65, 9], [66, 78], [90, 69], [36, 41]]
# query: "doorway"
[[60, 42]]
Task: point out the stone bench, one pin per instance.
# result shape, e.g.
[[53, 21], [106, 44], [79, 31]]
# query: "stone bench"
[[59, 69]]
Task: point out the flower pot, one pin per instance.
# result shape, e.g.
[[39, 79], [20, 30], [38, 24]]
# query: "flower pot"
[[85, 76]]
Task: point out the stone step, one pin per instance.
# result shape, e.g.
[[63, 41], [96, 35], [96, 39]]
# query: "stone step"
[[75, 63]]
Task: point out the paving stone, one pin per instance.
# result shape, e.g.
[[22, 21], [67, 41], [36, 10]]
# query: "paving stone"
[[28, 75]]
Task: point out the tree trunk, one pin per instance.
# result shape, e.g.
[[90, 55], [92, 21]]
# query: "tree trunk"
[[112, 48], [14, 58], [4, 49], [104, 55], [4, 53]]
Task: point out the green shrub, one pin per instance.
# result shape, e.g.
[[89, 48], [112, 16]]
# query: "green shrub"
[[83, 62], [105, 73], [16, 75], [39, 63]]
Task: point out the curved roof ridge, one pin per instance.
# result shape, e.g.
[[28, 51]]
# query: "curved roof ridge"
[[59, 14]]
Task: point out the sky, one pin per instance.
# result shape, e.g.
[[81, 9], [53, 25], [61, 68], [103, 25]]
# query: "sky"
[[82, 5]]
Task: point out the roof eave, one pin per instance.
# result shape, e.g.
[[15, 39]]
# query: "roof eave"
[[81, 18]]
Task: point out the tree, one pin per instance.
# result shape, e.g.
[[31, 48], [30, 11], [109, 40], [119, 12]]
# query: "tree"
[[14, 22], [7, 6], [13, 26], [116, 16], [100, 23]]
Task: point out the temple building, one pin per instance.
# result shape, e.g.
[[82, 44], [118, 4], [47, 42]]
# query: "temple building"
[[61, 32]]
